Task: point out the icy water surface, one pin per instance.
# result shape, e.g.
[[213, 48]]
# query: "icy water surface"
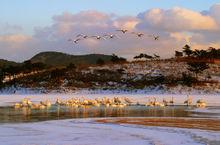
[[12, 115], [61, 125]]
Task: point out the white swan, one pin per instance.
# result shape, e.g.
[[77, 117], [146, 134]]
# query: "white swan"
[[123, 30], [201, 103], [188, 102]]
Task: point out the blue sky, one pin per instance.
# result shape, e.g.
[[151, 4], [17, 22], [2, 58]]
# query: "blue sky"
[[32, 13], [28, 27]]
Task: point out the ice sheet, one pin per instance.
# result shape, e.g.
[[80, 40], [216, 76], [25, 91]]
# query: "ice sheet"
[[87, 132]]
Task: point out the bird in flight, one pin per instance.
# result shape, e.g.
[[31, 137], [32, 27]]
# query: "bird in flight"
[[138, 34], [111, 36], [123, 30], [75, 40], [82, 35], [155, 37], [97, 37]]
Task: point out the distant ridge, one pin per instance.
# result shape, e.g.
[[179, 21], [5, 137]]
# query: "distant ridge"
[[4, 62], [52, 58]]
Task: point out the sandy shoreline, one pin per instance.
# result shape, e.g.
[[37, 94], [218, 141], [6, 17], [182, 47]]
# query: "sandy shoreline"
[[190, 123]]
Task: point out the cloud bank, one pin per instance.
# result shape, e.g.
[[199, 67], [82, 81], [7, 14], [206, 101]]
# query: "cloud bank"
[[176, 27]]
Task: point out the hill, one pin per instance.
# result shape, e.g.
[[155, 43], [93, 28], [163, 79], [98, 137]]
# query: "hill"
[[62, 59], [7, 63]]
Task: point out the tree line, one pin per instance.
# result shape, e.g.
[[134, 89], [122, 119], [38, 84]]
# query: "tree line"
[[210, 53], [25, 67], [198, 67]]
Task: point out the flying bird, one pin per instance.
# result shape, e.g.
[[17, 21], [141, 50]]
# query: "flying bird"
[[155, 37], [75, 40], [138, 34], [82, 36], [111, 36], [123, 30], [97, 37]]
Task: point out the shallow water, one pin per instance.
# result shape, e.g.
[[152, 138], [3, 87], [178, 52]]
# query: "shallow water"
[[12, 115]]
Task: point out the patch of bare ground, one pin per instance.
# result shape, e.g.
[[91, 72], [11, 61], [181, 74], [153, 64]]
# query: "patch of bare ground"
[[191, 123]]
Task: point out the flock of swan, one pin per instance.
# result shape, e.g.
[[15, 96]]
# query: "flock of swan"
[[106, 102], [80, 37]]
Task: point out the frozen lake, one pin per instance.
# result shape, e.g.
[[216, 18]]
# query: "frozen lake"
[[10, 114], [88, 132], [63, 125]]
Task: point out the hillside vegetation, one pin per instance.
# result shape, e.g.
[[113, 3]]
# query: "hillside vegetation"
[[62, 59]]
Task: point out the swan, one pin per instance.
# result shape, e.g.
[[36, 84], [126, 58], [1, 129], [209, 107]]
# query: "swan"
[[172, 101], [155, 37], [58, 102], [165, 102], [18, 105], [201, 103], [127, 100], [76, 40], [138, 34], [82, 36], [97, 37], [117, 100], [123, 30], [111, 36], [188, 102], [150, 102], [155, 103], [26, 102]]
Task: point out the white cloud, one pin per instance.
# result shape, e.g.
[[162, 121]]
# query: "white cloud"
[[176, 19], [176, 27], [215, 12], [14, 38]]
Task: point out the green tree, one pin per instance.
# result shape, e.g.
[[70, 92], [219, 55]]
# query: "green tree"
[[1, 78], [10, 71], [214, 53], [71, 66], [38, 66], [178, 54], [100, 61], [187, 79], [116, 59], [141, 55], [146, 56], [197, 67], [200, 53], [27, 66], [187, 50], [156, 56]]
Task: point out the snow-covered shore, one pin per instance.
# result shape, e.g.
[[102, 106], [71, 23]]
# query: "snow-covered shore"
[[183, 90], [88, 132]]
